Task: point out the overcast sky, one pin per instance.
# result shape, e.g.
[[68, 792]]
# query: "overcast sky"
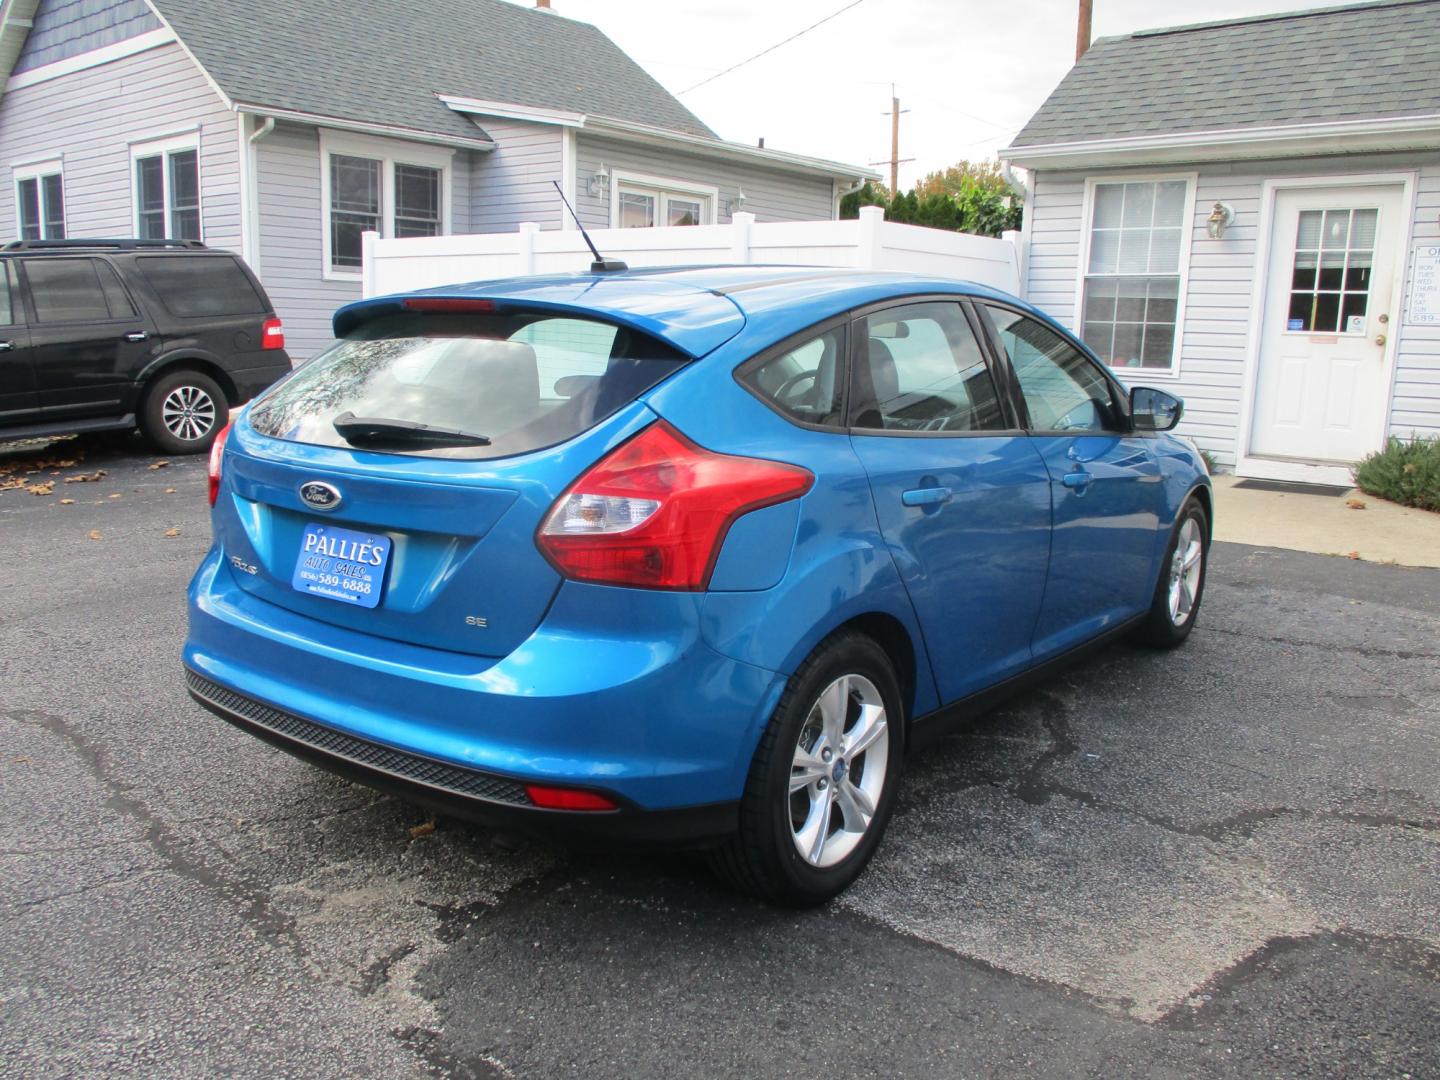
[[970, 72]]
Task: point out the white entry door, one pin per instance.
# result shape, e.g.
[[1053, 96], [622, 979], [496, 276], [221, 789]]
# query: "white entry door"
[[1329, 312]]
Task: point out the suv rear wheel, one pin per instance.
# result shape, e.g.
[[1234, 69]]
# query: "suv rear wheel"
[[183, 412]]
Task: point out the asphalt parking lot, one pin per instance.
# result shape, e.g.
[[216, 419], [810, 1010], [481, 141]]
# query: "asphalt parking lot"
[[1223, 861]]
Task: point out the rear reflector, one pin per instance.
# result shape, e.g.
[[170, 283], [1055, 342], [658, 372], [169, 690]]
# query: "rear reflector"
[[447, 304], [272, 334], [217, 455], [559, 798], [654, 512]]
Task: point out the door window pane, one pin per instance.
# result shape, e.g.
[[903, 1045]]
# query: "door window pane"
[[1330, 278], [185, 195], [115, 297], [7, 311], [804, 382], [417, 201], [354, 206], [150, 196], [921, 369], [1063, 390], [66, 290]]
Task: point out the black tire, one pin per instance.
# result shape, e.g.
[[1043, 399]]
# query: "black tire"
[[165, 421], [1163, 627], [763, 859]]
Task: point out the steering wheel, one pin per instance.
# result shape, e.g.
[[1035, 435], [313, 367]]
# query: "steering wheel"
[[789, 384]]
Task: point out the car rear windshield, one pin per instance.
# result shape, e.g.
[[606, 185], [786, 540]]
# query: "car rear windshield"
[[195, 286], [518, 382]]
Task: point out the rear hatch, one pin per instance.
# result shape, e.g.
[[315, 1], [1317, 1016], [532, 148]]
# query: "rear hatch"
[[393, 486], [212, 301]]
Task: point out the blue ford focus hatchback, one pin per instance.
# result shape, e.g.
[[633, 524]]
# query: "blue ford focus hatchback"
[[687, 556]]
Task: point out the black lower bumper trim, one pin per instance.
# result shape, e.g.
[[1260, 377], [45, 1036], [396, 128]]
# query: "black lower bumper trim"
[[498, 802]]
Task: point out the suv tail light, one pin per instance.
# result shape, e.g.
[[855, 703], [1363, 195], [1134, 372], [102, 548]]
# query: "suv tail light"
[[654, 511], [272, 334], [217, 454]]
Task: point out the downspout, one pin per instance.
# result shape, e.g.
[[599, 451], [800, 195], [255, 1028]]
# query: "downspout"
[[251, 194], [839, 195], [1022, 189]]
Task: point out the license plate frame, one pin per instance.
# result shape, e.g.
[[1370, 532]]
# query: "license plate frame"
[[341, 564]]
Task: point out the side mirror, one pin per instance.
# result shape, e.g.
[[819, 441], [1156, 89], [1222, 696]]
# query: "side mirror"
[[1154, 410]]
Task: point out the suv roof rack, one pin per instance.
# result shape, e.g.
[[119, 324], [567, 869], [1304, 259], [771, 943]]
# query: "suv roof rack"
[[117, 244]]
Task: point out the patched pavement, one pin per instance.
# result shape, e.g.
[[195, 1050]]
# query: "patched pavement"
[[1219, 861]]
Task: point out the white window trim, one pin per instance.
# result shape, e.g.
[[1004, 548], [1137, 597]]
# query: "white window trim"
[[662, 184], [164, 147], [1187, 234], [389, 152], [37, 170]]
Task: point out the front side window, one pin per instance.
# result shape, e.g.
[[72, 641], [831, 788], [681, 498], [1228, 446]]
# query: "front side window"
[[167, 193], [1063, 389], [804, 382], [1132, 281], [919, 368], [642, 205], [40, 203], [76, 290], [511, 383]]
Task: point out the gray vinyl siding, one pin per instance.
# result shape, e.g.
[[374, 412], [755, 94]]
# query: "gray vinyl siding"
[[512, 183], [65, 28], [771, 195], [1222, 279], [292, 247], [88, 120]]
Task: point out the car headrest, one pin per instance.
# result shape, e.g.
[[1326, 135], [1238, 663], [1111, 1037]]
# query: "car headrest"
[[877, 383]]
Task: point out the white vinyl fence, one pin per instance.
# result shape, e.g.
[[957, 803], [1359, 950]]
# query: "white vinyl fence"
[[871, 242]]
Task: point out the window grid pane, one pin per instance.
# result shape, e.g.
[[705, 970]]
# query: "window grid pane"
[[417, 201], [53, 187], [150, 197], [1330, 282], [354, 206], [184, 195], [29, 198]]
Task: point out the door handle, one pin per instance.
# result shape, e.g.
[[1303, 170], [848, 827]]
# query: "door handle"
[[136, 335], [931, 496], [1078, 480], [6, 346]]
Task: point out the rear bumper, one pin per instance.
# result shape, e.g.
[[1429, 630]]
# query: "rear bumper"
[[614, 692], [499, 802]]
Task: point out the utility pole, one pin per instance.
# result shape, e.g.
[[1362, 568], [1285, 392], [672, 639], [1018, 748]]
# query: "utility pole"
[[895, 160], [1082, 32]]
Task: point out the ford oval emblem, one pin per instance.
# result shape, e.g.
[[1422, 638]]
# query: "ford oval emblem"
[[319, 495]]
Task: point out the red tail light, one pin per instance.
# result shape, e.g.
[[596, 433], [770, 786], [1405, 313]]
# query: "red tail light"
[[559, 798], [217, 453], [272, 334], [654, 511], [448, 304]]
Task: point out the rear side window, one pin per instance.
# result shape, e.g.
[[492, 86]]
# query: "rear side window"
[[521, 381], [920, 368], [194, 286], [804, 382], [76, 290]]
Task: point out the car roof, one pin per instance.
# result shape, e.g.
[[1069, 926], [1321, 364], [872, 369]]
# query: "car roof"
[[694, 308]]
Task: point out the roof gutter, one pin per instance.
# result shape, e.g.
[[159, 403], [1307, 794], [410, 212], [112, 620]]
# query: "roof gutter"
[[646, 133], [1230, 144], [386, 130]]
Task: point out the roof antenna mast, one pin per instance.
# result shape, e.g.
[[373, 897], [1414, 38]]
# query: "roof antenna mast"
[[600, 265]]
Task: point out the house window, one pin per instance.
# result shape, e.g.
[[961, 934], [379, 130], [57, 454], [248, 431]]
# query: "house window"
[[40, 202], [1133, 278], [643, 202], [167, 189], [372, 185]]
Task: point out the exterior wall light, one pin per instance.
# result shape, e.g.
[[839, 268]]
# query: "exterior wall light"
[[1221, 215], [599, 183]]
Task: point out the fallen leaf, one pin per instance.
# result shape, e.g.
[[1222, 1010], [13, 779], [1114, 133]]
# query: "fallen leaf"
[[85, 478], [424, 829], [116, 495], [169, 491], [1353, 555], [41, 489], [1355, 504], [172, 532], [67, 502], [95, 534], [158, 465]]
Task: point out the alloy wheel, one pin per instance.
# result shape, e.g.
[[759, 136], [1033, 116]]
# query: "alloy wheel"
[[1185, 566], [188, 413]]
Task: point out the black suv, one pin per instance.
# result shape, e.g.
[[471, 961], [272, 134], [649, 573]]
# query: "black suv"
[[99, 335]]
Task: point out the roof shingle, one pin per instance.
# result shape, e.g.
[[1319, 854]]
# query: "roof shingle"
[[1360, 62]]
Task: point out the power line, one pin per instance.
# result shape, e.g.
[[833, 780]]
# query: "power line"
[[772, 48]]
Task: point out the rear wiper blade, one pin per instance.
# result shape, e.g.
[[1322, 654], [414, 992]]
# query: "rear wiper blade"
[[378, 429]]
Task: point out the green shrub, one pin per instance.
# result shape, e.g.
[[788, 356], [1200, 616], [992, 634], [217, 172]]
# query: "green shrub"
[[1406, 472]]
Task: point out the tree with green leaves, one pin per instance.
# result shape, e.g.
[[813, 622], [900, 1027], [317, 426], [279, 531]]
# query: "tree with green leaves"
[[970, 197]]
